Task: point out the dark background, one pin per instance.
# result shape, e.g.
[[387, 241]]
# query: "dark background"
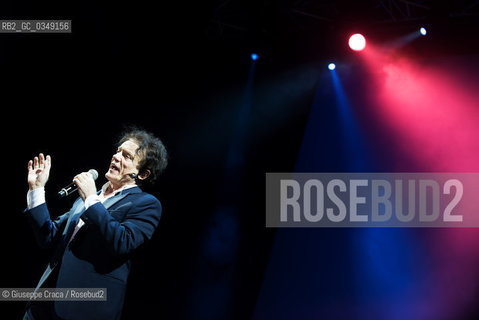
[[180, 69]]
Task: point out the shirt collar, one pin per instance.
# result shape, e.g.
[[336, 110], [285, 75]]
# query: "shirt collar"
[[127, 186]]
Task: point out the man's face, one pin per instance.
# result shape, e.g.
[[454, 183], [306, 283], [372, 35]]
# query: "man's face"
[[124, 162]]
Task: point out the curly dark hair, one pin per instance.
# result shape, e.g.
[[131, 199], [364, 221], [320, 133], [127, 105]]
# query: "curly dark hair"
[[152, 152]]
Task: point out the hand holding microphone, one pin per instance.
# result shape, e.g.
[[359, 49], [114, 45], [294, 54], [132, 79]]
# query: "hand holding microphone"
[[83, 182]]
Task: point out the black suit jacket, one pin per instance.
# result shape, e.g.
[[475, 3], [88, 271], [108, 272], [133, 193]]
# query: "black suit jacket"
[[99, 254]]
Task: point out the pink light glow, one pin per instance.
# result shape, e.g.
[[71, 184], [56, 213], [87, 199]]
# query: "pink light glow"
[[432, 113], [435, 112]]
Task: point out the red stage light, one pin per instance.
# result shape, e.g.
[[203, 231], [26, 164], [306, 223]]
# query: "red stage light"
[[357, 42]]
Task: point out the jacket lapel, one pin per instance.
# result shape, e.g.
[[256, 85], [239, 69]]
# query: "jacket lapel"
[[77, 209], [111, 201]]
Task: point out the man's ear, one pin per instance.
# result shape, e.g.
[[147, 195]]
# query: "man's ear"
[[145, 174]]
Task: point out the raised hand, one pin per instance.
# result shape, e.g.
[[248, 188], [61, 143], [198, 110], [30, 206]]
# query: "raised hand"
[[38, 171]]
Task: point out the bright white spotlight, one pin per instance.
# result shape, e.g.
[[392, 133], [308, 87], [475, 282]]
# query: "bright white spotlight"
[[357, 42], [423, 31], [331, 66]]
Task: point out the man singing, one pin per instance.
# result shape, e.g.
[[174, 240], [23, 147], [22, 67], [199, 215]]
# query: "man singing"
[[94, 241]]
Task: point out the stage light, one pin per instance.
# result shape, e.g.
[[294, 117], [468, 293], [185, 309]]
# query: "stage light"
[[331, 66], [423, 31], [254, 56], [357, 42]]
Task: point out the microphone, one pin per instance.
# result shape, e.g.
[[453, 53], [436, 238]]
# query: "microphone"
[[72, 187]]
